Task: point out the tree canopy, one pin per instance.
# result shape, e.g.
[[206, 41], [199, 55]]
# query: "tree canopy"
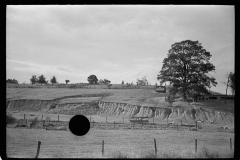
[[34, 79], [42, 79], [142, 81], [92, 79], [187, 67], [105, 81], [14, 81], [67, 81], [53, 80]]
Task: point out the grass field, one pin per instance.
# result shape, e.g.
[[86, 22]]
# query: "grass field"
[[134, 143], [22, 142], [52, 93]]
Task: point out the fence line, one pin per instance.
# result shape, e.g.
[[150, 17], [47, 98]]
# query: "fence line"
[[115, 125], [155, 147]]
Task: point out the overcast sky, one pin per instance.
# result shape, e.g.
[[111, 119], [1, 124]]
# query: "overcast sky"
[[113, 42]]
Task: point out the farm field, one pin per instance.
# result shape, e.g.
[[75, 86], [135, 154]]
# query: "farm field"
[[52, 93], [115, 106], [63, 144]]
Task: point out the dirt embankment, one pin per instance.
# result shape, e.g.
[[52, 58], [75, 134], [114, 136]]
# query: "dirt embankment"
[[153, 108], [71, 105], [184, 114]]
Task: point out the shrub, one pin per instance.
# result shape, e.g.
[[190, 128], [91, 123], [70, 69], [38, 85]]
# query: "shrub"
[[34, 122], [10, 119], [72, 86]]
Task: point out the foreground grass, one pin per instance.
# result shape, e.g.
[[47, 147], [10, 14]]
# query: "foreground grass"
[[22, 142], [204, 153]]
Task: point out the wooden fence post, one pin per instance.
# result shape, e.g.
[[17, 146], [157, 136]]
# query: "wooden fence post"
[[195, 145], [102, 147], [155, 146], [38, 149], [231, 143]]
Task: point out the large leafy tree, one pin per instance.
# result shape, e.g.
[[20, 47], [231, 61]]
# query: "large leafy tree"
[[34, 79], [92, 79], [187, 67], [42, 79], [53, 80]]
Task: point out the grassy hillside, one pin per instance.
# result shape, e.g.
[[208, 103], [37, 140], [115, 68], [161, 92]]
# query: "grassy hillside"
[[52, 93]]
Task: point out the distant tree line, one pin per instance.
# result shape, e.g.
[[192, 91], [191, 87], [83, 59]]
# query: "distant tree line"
[[14, 81], [92, 79], [42, 80]]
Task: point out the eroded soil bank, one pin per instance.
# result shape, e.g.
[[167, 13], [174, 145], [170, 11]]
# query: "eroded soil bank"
[[99, 104], [71, 105], [177, 113]]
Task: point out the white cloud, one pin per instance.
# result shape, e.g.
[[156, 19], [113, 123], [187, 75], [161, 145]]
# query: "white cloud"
[[119, 42]]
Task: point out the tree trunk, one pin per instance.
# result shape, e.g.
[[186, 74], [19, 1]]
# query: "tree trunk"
[[184, 96], [195, 98], [226, 90]]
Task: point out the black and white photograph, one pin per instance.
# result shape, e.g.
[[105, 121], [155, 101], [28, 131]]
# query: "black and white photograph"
[[120, 81]]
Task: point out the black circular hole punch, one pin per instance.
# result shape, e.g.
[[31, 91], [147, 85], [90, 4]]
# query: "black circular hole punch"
[[79, 125]]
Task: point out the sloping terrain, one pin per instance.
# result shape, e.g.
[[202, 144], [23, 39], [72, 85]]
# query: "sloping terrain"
[[69, 101], [117, 103], [179, 112]]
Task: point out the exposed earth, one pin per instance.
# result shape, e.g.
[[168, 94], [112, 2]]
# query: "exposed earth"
[[117, 106], [117, 103]]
